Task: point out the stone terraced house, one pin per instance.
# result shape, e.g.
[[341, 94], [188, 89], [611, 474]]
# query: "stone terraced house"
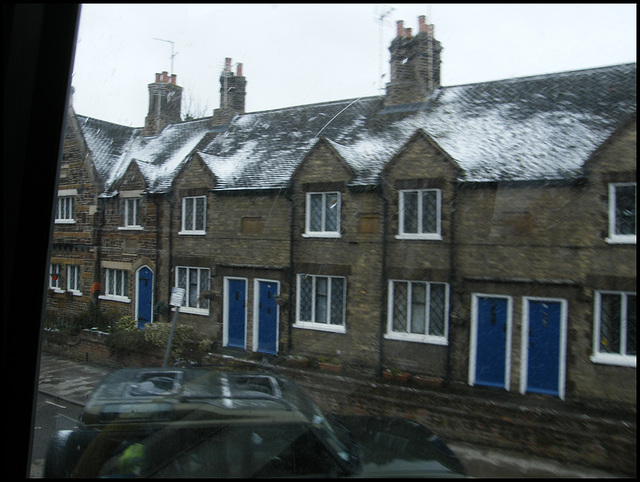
[[484, 233]]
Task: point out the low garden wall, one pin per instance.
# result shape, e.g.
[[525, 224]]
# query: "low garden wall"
[[92, 347]]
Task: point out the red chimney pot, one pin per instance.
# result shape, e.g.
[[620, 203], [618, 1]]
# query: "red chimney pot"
[[174, 79], [158, 77], [227, 64], [400, 28], [239, 70], [422, 23], [165, 76]]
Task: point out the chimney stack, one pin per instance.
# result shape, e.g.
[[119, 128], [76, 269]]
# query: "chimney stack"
[[165, 103], [415, 64], [232, 94]]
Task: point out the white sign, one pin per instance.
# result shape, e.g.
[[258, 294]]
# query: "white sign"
[[177, 296]]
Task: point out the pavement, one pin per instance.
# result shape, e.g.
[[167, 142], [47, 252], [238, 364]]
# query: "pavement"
[[74, 381]]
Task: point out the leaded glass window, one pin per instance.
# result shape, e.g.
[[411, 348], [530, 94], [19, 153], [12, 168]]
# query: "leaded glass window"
[[615, 326], [418, 311], [420, 213]]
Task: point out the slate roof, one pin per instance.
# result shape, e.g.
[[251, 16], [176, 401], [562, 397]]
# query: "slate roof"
[[532, 128]]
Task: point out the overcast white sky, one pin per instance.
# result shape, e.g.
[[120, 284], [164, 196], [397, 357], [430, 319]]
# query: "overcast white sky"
[[294, 54]]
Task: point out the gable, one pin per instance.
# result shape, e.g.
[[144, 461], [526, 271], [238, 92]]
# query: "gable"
[[323, 163], [421, 157], [132, 179], [615, 159], [194, 173]]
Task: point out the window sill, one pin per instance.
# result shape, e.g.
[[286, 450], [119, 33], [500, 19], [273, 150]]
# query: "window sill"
[[192, 233], [320, 327], [194, 311], [619, 360], [121, 299], [321, 235], [130, 228], [65, 221], [431, 340], [57, 291], [419, 237], [620, 239]]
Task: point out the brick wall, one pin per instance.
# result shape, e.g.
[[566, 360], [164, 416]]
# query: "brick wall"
[[91, 347]]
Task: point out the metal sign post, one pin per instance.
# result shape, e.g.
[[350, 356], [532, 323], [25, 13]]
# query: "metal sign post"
[[177, 298]]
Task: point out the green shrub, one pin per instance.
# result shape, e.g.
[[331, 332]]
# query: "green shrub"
[[157, 334], [91, 319], [125, 335], [205, 344]]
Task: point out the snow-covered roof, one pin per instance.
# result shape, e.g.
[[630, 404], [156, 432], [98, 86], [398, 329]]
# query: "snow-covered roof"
[[532, 128]]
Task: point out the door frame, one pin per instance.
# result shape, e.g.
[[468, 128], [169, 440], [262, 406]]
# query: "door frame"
[[473, 337], [256, 312], [137, 307], [524, 343], [225, 308]]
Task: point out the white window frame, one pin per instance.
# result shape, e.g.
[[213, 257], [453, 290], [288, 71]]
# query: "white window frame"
[[185, 308], [323, 232], [191, 229], [121, 292], [313, 324], [65, 209], [131, 204], [620, 359], [421, 234], [417, 337], [74, 273], [55, 268], [614, 237]]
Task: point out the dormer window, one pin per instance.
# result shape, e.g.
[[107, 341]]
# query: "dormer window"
[[131, 213], [323, 214], [622, 213], [419, 214], [194, 211]]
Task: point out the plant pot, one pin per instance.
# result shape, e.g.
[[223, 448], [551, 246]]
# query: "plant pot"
[[296, 361], [329, 367], [431, 382], [398, 377]]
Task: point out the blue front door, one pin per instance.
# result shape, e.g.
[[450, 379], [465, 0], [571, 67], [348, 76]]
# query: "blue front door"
[[267, 317], [491, 342], [236, 312], [145, 296], [544, 360]]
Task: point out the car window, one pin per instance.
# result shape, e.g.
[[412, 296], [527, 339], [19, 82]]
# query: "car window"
[[278, 217]]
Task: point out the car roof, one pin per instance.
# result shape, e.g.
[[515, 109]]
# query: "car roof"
[[220, 390]]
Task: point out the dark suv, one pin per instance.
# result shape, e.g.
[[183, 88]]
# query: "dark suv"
[[192, 422]]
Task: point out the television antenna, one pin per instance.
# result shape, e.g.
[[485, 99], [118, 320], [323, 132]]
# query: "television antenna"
[[382, 12], [172, 53]]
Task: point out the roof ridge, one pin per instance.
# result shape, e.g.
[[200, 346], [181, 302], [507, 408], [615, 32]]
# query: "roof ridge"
[[534, 76], [324, 103]]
